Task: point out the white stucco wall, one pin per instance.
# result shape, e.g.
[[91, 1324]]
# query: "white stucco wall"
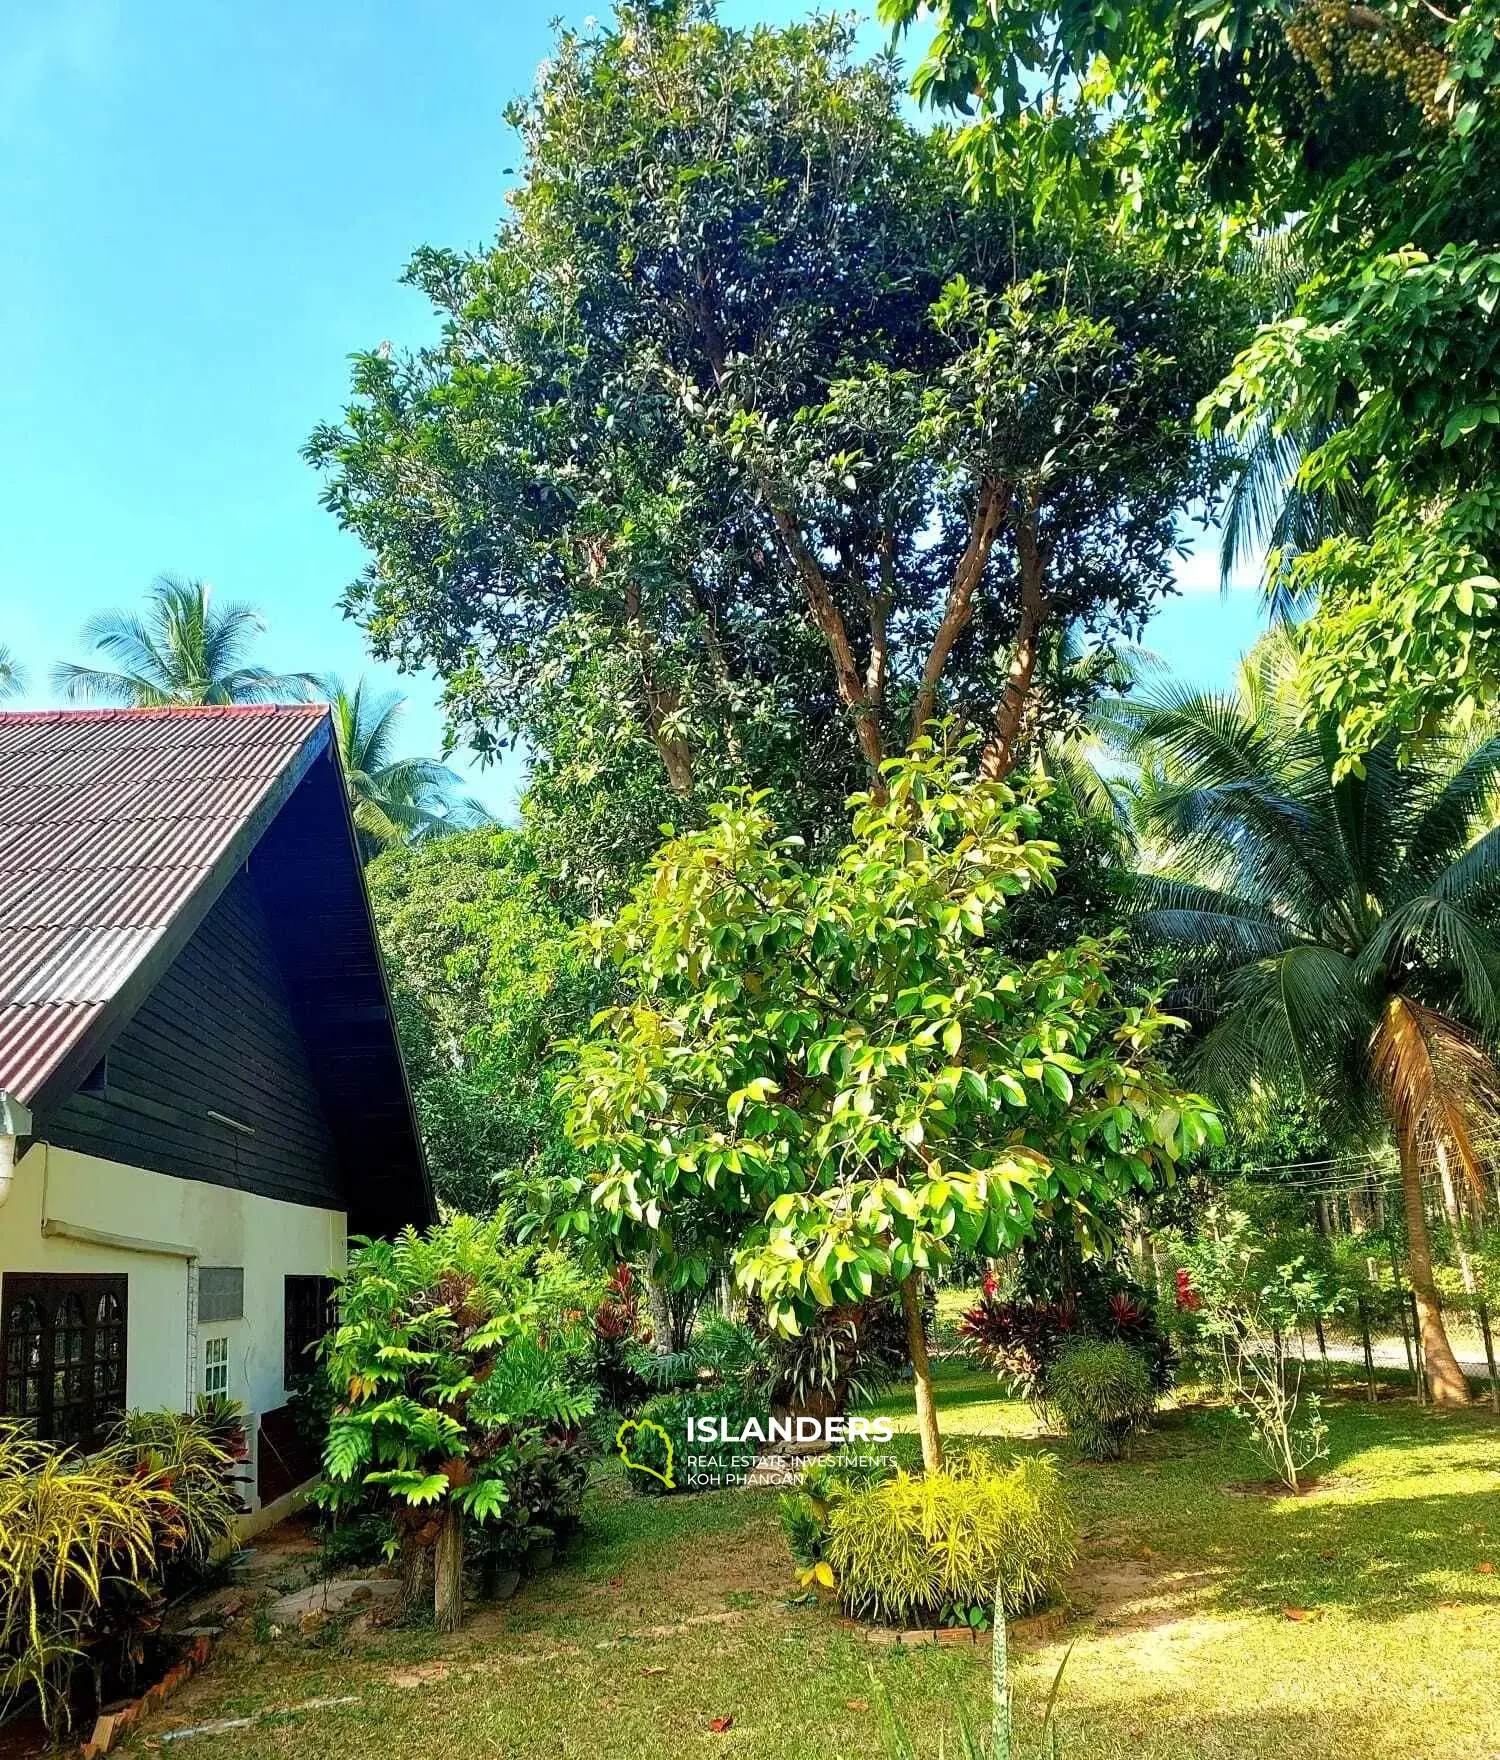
[[163, 1229]]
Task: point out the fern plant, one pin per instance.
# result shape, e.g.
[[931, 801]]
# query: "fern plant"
[[457, 1356]]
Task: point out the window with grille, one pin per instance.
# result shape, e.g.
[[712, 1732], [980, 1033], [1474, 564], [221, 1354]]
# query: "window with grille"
[[311, 1310], [216, 1368], [62, 1353]]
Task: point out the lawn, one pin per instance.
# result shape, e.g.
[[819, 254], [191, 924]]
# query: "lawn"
[[1205, 1618]]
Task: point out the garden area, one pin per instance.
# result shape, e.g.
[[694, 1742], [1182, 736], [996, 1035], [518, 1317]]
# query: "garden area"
[[968, 1163], [1199, 1619]]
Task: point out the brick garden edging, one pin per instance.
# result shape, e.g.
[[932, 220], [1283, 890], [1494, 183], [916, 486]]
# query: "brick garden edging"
[[111, 1726]]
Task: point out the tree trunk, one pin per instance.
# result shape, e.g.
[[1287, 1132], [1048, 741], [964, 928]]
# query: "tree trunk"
[[413, 1568], [1445, 1380], [448, 1570], [916, 1343], [1002, 748], [989, 515]]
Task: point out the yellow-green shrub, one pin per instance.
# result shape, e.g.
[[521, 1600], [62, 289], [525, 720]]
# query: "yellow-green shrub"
[[85, 1541], [918, 1550], [1101, 1392]]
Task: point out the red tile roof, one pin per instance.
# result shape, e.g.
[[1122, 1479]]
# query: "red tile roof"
[[117, 830]]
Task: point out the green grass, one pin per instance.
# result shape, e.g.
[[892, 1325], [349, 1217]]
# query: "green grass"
[[1178, 1616]]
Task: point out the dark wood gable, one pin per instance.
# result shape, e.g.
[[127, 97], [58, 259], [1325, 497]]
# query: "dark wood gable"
[[211, 1078]]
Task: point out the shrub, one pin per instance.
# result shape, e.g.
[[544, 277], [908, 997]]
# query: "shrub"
[[844, 1356], [1101, 1393], [619, 1334], [720, 1353], [920, 1551], [1020, 1337], [805, 1512], [201, 1458], [86, 1543], [459, 1361]]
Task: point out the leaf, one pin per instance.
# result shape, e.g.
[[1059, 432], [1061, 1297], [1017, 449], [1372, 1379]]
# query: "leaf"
[[719, 1724], [823, 1573], [1302, 1614]]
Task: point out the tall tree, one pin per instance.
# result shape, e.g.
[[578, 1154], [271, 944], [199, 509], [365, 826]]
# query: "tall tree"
[[185, 649], [750, 410], [12, 674], [1369, 135], [394, 800], [1342, 931]]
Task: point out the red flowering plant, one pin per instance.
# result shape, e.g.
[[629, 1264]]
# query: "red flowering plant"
[[621, 1335], [1020, 1335]]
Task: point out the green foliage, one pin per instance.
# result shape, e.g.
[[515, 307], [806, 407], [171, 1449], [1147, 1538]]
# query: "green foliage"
[[85, 1542], [485, 977], [917, 1550], [201, 1457], [1337, 931], [696, 1466], [839, 1076], [457, 1364], [1102, 1392], [1247, 1298], [12, 673], [394, 800], [724, 1352], [1360, 144], [745, 404]]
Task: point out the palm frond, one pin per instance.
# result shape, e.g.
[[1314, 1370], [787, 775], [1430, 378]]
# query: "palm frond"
[[1441, 1087]]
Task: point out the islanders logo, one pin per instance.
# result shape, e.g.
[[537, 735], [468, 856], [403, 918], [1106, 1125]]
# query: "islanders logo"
[[642, 1443]]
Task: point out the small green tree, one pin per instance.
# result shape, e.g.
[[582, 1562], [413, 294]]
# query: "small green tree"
[[451, 1359], [1249, 1303], [841, 1076]]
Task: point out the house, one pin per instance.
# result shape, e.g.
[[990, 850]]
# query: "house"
[[201, 1092]]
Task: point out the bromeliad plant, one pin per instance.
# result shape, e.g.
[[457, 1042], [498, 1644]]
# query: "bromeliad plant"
[[840, 1075], [456, 1367]]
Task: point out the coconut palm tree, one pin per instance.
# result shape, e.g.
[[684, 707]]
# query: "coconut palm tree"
[[1341, 938], [394, 800], [12, 675], [185, 649]]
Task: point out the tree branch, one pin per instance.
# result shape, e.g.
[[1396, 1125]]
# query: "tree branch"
[[989, 516], [999, 755]]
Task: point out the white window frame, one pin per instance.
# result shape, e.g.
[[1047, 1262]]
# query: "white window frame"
[[216, 1366]]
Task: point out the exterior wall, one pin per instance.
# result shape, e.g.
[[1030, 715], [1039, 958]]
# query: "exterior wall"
[[210, 1079], [163, 1229]]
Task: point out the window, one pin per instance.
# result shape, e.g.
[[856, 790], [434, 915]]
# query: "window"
[[310, 1312], [62, 1353], [216, 1368], [221, 1293]]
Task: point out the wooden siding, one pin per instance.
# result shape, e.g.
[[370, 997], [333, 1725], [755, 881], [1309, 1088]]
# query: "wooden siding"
[[215, 1035]]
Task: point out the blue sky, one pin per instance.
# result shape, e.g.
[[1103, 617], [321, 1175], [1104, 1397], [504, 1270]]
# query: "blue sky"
[[206, 211]]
